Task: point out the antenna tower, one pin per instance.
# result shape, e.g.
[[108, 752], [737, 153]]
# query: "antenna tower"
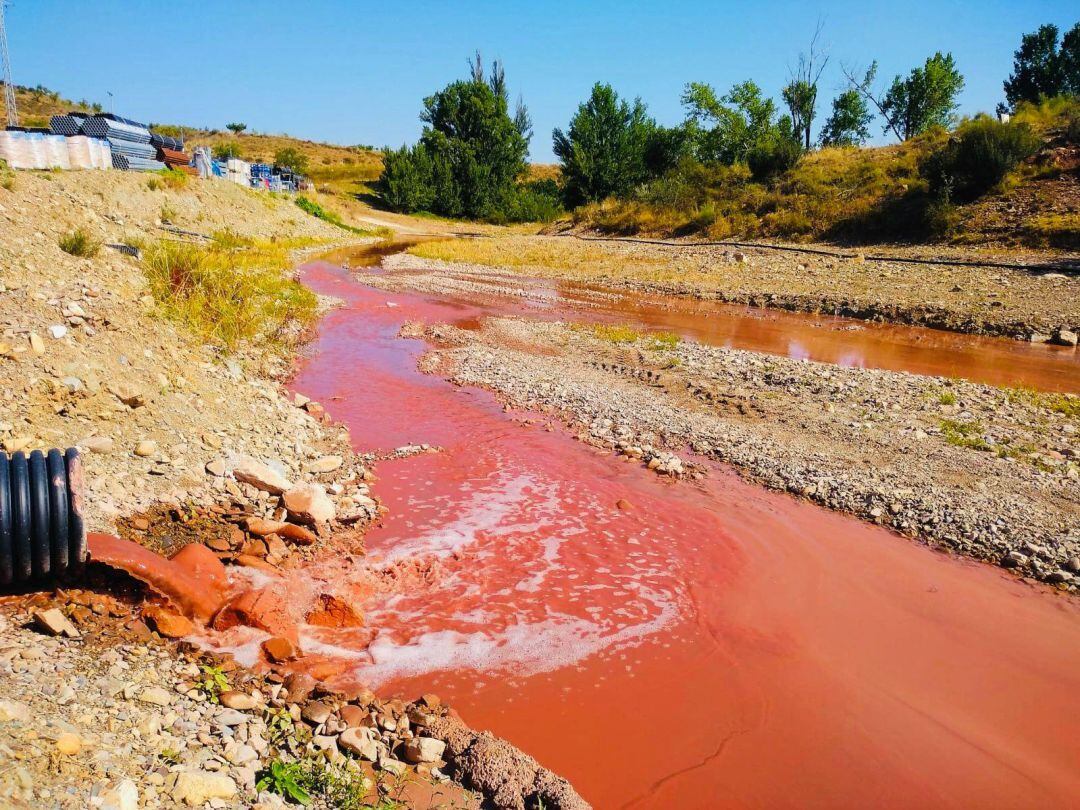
[[5, 67]]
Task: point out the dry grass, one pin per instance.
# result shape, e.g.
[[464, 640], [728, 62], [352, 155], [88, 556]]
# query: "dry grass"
[[234, 290]]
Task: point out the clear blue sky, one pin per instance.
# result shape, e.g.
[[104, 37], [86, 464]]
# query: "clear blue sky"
[[355, 72]]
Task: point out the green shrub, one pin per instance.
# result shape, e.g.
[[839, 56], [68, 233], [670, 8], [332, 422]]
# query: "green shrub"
[[311, 207], [978, 157], [772, 157], [226, 150], [79, 243]]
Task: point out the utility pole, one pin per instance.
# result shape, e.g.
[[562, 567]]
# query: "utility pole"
[[5, 66]]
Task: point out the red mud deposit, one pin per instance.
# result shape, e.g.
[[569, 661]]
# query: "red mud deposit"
[[715, 645], [822, 338], [194, 580]]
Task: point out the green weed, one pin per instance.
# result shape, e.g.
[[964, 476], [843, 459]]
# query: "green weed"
[[79, 243]]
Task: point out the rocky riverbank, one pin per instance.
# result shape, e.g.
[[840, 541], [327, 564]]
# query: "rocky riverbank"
[[989, 473], [105, 705], [956, 289]]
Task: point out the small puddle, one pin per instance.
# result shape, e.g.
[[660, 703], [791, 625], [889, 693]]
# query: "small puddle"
[[713, 645]]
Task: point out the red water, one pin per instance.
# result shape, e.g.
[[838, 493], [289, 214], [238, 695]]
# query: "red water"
[[193, 580], [716, 645], [823, 338]]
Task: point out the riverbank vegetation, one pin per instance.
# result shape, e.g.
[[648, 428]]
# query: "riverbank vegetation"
[[232, 290], [743, 164]]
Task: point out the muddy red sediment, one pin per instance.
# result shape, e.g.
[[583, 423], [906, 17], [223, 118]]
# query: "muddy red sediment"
[[716, 645], [194, 580], [823, 338]]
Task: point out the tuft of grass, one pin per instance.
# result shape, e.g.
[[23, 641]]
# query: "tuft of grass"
[[7, 177], [1066, 404], [174, 179], [964, 434], [79, 243], [230, 291], [283, 778], [620, 334]]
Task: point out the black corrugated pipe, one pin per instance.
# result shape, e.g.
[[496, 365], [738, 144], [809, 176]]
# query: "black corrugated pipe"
[[41, 525]]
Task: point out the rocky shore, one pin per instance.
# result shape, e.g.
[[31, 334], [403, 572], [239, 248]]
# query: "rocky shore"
[[989, 473], [105, 704]]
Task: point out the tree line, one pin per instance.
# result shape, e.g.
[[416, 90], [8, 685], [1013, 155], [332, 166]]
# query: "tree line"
[[471, 158]]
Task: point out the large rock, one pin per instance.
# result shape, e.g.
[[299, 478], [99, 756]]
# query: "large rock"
[[261, 527], [196, 788], [264, 609], [261, 476], [168, 623], [360, 742], [333, 611], [1064, 337], [55, 623], [424, 749], [309, 503]]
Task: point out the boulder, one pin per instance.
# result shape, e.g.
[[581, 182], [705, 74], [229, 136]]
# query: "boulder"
[[424, 749], [196, 788], [309, 503], [333, 611], [279, 649], [261, 476]]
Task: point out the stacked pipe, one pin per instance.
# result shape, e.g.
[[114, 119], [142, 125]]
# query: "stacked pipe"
[[129, 142], [65, 125], [41, 525], [173, 158], [166, 142]]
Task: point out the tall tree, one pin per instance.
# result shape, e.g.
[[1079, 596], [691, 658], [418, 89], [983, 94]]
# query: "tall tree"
[[1042, 67], [925, 98], [727, 127], [605, 149], [470, 155], [849, 122], [801, 93]]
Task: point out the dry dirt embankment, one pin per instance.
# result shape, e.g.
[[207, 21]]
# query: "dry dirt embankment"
[[981, 299], [98, 701]]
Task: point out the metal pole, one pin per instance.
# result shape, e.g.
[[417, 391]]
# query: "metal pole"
[[5, 66]]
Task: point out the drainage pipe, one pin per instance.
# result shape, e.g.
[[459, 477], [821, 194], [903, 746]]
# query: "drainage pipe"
[[41, 526]]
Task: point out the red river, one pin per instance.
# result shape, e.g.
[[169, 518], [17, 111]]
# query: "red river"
[[714, 645]]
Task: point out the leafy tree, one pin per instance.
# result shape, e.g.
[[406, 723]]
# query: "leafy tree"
[[291, 158], [470, 155], [738, 120], [849, 123], [800, 94], [226, 150], [605, 149], [926, 98], [236, 128], [1043, 68]]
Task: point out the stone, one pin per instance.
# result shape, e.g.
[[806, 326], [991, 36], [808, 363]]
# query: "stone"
[[333, 611], [279, 649], [261, 476], [325, 464], [146, 448], [216, 467], [316, 712], [17, 443], [354, 716], [55, 623], [97, 444], [299, 685], [361, 742], [156, 696], [230, 718], [127, 393], [432, 701], [391, 765], [1064, 337], [240, 753], [37, 345], [241, 701], [167, 623], [1056, 577], [309, 503], [424, 749], [1073, 565], [68, 744], [623, 504], [262, 527], [196, 788], [58, 331], [14, 710], [262, 608], [124, 796]]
